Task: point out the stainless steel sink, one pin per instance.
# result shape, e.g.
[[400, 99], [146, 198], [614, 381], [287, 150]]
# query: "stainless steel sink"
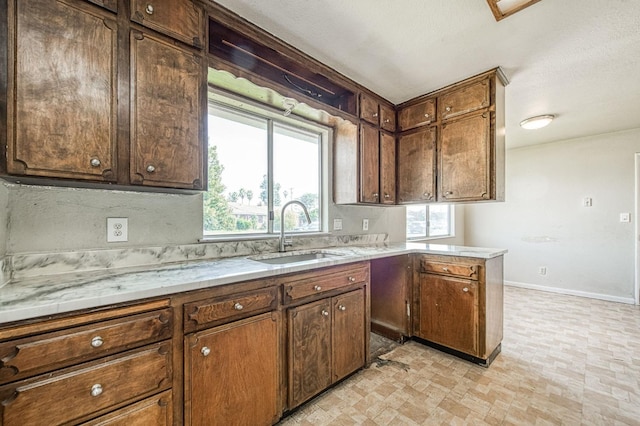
[[293, 257]]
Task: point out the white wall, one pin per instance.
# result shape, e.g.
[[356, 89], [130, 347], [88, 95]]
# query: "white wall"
[[586, 250]]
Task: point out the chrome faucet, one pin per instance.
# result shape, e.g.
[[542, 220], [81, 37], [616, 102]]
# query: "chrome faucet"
[[283, 242]]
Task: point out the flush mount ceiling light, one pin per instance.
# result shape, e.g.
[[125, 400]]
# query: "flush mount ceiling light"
[[503, 8], [537, 122]]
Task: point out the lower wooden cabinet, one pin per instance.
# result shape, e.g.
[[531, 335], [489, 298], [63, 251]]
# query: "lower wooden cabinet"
[[326, 343], [232, 373], [458, 304], [156, 411]]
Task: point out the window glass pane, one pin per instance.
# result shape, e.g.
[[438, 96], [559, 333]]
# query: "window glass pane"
[[416, 221], [439, 220], [237, 165], [296, 176]]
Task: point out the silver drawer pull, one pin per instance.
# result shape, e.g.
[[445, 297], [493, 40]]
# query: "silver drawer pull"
[[205, 351], [149, 9], [96, 390], [151, 168], [445, 269], [325, 313], [95, 162], [238, 307], [448, 108], [97, 341], [342, 308], [352, 279], [466, 289], [317, 288]]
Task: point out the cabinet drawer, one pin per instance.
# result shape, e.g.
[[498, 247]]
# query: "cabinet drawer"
[[45, 352], [417, 115], [465, 99], [156, 411], [452, 269], [229, 308], [311, 286], [75, 394]]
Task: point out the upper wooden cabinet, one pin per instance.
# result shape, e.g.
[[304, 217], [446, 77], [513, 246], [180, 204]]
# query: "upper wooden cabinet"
[[387, 168], [387, 118], [65, 116], [470, 141], [416, 115], [180, 19], [167, 106], [466, 99], [417, 166], [62, 91], [369, 109], [369, 164], [465, 163]]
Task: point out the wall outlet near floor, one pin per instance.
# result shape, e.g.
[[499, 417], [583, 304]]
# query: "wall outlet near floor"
[[117, 229], [365, 224], [542, 270], [625, 217]]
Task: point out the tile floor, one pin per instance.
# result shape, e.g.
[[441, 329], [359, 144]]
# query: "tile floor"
[[565, 361]]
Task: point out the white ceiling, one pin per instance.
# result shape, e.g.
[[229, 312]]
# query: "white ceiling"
[[578, 59]]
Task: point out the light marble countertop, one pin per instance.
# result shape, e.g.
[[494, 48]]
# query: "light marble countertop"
[[37, 296]]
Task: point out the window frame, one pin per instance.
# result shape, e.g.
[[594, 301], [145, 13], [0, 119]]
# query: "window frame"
[[451, 223], [274, 118]]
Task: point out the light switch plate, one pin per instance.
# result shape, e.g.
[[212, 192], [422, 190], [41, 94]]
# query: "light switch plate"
[[625, 217]]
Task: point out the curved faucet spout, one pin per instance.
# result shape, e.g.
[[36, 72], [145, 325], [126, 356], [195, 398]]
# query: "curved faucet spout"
[[283, 242]]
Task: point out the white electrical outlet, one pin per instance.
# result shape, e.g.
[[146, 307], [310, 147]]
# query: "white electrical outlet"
[[337, 224], [587, 202], [625, 217], [365, 224], [117, 229], [542, 270]]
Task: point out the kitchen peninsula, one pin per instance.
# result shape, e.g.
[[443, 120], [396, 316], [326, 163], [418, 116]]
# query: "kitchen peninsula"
[[235, 317]]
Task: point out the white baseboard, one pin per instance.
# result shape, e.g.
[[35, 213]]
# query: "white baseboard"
[[609, 298]]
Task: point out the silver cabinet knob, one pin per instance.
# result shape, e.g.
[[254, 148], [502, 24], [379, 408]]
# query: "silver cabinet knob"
[[96, 390], [325, 313], [238, 307], [426, 195], [466, 289], [375, 195], [205, 351], [149, 9], [95, 162], [387, 196], [342, 308], [375, 114], [448, 109], [151, 168], [352, 279], [448, 193], [97, 341], [317, 288], [445, 269], [426, 116], [387, 121]]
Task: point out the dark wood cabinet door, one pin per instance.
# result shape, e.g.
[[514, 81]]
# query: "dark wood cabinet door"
[[465, 99], [309, 350], [62, 113], [167, 114], [390, 295], [180, 19], [348, 333], [387, 168], [464, 158], [387, 118], [369, 164], [232, 375], [417, 166], [416, 115], [369, 109], [449, 312], [156, 411]]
